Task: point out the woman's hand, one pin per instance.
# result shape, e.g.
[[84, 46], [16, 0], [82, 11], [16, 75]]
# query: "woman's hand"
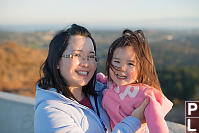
[[139, 112]]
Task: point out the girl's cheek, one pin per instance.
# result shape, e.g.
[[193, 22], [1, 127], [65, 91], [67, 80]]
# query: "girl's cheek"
[[133, 74], [111, 74]]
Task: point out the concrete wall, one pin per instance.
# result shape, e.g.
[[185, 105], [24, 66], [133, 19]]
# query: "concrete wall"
[[17, 115]]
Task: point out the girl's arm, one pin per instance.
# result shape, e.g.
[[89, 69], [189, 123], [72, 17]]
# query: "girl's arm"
[[156, 110], [130, 124]]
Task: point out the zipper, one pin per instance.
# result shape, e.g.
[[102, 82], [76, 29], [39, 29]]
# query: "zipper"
[[93, 113], [82, 106]]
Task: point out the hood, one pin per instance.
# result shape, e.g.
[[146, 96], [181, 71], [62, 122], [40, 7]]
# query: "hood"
[[43, 95]]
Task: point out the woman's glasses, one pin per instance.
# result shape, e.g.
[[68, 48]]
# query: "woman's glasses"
[[75, 56]]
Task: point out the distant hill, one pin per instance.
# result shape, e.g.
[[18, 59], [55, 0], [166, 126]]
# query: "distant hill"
[[169, 48], [19, 68], [175, 55], [31, 39]]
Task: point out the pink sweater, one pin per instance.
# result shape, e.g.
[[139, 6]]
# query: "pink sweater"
[[120, 101]]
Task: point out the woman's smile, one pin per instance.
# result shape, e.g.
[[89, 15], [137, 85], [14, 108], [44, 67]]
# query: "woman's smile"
[[79, 69], [83, 73]]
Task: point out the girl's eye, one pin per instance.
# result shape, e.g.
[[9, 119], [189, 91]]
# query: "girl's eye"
[[115, 61], [131, 64]]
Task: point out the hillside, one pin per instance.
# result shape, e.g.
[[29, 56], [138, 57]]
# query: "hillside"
[[175, 55], [169, 48], [19, 68]]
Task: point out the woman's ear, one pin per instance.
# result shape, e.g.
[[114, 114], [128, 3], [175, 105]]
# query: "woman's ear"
[[57, 66]]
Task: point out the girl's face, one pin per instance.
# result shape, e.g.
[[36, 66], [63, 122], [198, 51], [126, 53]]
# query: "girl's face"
[[124, 60], [79, 68]]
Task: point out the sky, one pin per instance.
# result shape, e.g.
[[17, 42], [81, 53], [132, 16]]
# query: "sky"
[[101, 13]]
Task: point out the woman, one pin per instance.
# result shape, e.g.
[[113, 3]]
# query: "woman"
[[68, 98]]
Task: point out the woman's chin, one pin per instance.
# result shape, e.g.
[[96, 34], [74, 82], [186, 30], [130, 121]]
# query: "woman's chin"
[[83, 83]]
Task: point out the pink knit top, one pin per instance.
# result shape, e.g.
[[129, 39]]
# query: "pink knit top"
[[120, 101]]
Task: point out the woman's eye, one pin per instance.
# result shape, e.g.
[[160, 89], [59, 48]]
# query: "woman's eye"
[[91, 56], [77, 55]]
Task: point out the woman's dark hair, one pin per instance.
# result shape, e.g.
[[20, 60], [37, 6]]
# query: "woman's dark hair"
[[146, 68], [50, 76]]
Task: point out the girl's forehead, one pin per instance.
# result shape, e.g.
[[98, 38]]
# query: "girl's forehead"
[[124, 51]]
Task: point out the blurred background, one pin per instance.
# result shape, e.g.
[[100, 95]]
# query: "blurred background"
[[171, 27]]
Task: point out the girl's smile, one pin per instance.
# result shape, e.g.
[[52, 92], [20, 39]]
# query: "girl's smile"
[[124, 69]]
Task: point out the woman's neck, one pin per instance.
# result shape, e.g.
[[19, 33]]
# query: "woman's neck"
[[77, 92]]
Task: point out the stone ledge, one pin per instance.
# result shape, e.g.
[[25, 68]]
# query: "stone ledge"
[[175, 127]]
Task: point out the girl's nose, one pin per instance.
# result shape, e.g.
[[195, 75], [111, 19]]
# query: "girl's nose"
[[123, 68]]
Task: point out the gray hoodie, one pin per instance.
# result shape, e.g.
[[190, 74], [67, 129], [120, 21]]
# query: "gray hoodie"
[[54, 113]]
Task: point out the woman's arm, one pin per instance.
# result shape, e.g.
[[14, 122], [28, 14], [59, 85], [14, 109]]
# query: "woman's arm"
[[49, 120], [129, 124]]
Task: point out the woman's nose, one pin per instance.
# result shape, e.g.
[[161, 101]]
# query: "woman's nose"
[[84, 58], [84, 62]]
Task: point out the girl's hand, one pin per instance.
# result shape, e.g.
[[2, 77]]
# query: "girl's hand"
[[100, 77], [139, 112]]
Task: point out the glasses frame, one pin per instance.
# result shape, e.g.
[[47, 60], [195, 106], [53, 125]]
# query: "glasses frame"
[[72, 55]]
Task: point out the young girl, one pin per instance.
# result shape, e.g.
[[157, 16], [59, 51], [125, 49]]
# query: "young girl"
[[131, 78]]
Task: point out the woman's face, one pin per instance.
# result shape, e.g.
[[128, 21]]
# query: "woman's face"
[[79, 69], [124, 60]]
